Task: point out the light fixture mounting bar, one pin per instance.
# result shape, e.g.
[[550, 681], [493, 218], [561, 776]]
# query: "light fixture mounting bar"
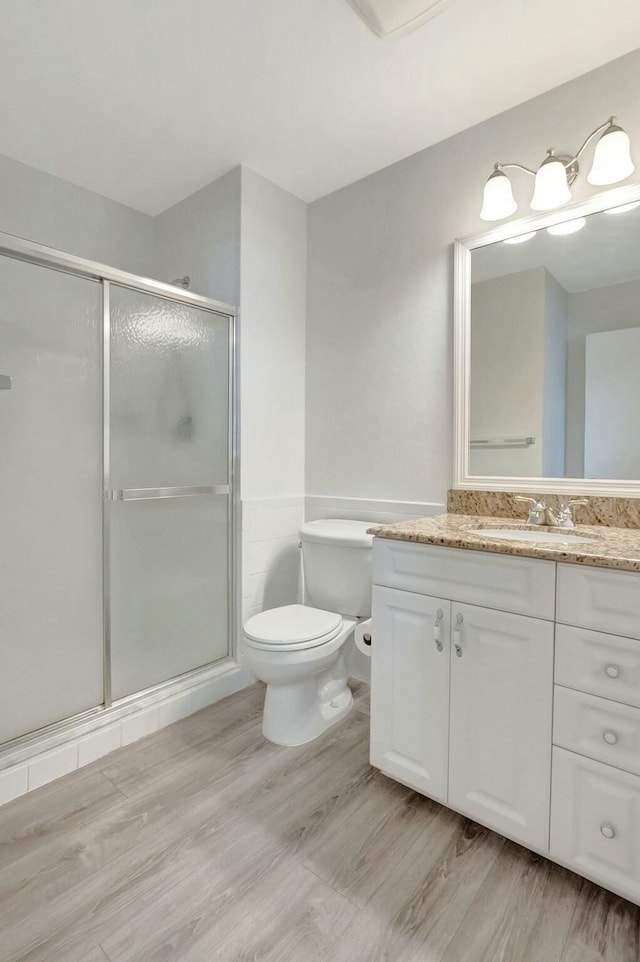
[[527, 170], [571, 165], [611, 122]]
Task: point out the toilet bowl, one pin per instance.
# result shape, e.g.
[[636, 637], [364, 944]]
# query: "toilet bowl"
[[299, 650]]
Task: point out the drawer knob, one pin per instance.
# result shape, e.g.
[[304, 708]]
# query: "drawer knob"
[[612, 671], [610, 737], [607, 830]]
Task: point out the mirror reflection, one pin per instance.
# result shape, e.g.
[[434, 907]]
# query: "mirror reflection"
[[555, 351]]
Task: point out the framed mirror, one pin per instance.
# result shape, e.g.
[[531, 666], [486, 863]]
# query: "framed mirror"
[[547, 351]]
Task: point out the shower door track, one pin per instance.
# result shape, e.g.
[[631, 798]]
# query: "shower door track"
[[24, 250], [30, 252], [24, 747]]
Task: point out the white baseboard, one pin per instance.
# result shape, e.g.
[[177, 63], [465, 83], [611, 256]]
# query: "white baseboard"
[[64, 748]]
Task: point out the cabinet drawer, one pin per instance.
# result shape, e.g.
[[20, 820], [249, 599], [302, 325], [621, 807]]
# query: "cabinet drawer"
[[595, 821], [522, 585], [597, 727], [601, 599], [601, 664]]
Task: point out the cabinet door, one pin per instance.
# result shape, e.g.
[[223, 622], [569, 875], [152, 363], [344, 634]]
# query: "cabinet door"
[[410, 689], [595, 821], [500, 736]]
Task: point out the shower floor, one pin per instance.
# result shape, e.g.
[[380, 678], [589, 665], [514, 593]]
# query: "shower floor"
[[205, 842]]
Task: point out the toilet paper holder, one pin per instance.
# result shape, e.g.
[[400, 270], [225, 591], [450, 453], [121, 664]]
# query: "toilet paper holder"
[[364, 637]]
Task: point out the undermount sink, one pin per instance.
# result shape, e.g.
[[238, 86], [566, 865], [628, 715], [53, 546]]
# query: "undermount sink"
[[541, 537]]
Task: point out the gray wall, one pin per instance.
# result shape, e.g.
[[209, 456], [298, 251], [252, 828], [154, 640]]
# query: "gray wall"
[[273, 274], [200, 237], [379, 309], [600, 309], [555, 379], [242, 239], [50, 211], [507, 382]]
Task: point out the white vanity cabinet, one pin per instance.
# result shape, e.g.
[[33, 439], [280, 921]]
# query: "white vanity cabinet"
[[529, 725], [461, 705]]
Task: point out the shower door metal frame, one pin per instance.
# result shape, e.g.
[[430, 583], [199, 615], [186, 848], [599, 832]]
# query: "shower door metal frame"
[[30, 252]]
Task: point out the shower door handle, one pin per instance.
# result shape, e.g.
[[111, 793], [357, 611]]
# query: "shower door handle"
[[154, 494], [5, 382]]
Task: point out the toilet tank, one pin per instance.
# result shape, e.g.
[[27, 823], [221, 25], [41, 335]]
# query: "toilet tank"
[[336, 557]]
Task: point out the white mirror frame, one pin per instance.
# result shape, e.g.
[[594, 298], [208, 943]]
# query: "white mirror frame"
[[462, 353]]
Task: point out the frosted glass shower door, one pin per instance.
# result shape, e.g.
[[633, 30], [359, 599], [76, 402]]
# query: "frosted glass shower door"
[[169, 483], [51, 641]]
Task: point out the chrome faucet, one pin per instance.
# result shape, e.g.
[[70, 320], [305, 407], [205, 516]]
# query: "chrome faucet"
[[541, 513]]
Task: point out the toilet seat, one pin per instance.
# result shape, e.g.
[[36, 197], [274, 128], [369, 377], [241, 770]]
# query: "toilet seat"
[[292, 628]]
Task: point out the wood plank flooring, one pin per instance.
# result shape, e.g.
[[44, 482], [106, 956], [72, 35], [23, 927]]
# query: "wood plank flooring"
[[205, 842]]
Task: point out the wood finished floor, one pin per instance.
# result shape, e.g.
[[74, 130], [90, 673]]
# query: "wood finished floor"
[[205, 843]]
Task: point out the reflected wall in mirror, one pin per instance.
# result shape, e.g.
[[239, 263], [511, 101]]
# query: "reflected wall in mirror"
[[553, 348]]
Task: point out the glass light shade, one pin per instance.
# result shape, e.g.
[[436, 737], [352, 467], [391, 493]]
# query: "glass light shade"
[[498, 201], [520, 238], [567, 227], [551, 188], [612, 158]]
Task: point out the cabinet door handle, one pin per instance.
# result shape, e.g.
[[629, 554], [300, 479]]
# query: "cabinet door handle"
[[436, 628], [457, 635], [610, 737], [612, 671], [608, 831]]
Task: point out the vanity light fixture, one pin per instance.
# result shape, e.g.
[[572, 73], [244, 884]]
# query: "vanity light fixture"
[[553, 179], [567, 227]]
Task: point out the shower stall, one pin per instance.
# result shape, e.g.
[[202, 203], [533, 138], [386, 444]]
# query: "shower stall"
[[118, 467]]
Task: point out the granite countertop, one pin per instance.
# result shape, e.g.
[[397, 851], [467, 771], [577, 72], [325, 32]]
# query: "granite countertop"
[[609, 548]]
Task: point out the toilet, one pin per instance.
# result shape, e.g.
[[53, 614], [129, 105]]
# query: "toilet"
[[300, 650]]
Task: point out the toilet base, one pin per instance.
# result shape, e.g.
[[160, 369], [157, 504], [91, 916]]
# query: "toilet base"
[[296, 713]]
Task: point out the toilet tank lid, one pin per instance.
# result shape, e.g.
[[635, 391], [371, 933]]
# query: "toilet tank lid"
[[339, 531]]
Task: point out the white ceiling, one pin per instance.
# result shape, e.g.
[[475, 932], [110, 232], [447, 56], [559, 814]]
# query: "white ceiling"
[[145, 101]]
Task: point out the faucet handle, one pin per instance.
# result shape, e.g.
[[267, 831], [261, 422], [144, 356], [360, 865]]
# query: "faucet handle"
[[537, 508], [565, 515]]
